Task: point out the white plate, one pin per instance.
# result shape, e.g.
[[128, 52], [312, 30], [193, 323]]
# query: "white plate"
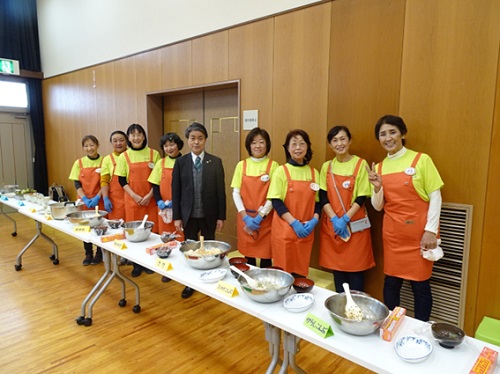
[[213, 276], [298, 302], [413, 348]]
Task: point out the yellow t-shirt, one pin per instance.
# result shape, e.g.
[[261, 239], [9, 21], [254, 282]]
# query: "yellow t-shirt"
[[86, 163], [254, 168], [107, 165], [143, 155], [362, 186], [155, 176], [279, 182], [426, 178]]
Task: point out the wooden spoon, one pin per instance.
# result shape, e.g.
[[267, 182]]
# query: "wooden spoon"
[[352, 310]]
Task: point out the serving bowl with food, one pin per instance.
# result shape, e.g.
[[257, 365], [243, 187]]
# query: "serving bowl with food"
[[61, 210], [374, 313], [87, 217], [206, 254], [135, 232], [272, 285]]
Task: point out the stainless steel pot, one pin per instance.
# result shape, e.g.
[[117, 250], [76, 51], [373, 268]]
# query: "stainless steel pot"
[[87, 217], [60, 210], [206, 261]]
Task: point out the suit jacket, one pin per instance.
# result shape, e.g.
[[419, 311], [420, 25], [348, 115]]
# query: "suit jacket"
[[213, 192]]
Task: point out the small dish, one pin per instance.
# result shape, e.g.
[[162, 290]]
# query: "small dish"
[[413, 349], [298, 302], [213, 276], [447, 335], [100, 230]]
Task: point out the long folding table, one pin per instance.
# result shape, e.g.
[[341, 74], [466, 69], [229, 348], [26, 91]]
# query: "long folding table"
[[369, 351]]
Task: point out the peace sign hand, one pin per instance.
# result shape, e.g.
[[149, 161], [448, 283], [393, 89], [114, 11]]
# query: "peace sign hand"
[[374, 177]]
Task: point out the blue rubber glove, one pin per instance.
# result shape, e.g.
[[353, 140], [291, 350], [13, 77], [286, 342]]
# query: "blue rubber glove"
[[258, 219], [299, 229], [161, 204], [107, 204], [87, 202], [95, 201], [344, 233], [169, 203], [249, 222], [341, 224], [310, 225]]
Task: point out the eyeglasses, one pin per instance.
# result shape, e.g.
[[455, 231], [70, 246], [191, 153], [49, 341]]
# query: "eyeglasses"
[[298, 145]]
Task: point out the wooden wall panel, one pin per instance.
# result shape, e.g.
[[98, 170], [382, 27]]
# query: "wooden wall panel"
[[105, 104], [210, 58], [176, 68], [300, 77], [125, 92], [488, 291], [251, 61], [148, 79], [447, 99]]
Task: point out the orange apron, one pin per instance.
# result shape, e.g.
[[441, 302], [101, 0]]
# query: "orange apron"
[[91, 183], [290, 252], [357, 253], [253, 193], [116, 195], [138, 181], [404, 223], [166, 194]]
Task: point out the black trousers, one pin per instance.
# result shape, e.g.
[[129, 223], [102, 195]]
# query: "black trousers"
[[199, 225], [355, 279], [422, 296]]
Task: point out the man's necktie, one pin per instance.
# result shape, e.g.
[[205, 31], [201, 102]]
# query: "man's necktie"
[[197, 163]]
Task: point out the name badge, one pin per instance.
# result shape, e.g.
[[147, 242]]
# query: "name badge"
[[98, 170], [346, 184], [410, 171], [314, 187], [151, 165], [264, 178]]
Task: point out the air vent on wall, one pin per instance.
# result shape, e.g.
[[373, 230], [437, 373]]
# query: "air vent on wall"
[[449, 275]]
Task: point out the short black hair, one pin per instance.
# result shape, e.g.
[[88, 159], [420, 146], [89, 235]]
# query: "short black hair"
[[335, 130], [91, 138], [171, 137], [251, 136], [195, 126], [117, 132]]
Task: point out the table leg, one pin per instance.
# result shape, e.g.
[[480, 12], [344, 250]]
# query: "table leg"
[[14, 233], [116, 271], [273, 336], [290, 348], [39, 233]]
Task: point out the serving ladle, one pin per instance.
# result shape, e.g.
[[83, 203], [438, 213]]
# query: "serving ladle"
[[251, 282], [352, 310]]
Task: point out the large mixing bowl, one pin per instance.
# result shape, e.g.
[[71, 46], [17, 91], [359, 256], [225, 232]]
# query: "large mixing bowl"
[[87, 217], [205, 261], [134, 233], [60, 210], [374, 313], [275, 285]]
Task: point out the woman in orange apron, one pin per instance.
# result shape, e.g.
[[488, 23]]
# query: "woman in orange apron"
[[406, 184], [133, 168], [86, 176], [112, 192], [250, 184], [294, 195], [344, 187]]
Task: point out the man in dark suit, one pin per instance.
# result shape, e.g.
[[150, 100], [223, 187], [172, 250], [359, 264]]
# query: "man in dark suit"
[[198, 191]]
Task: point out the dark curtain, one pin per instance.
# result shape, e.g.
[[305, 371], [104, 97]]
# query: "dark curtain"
[[19, 41]]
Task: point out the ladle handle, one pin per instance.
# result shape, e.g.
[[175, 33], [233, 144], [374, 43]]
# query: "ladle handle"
[[251, 281], [347, 291]]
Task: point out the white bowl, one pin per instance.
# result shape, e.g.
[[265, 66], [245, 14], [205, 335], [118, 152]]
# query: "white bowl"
[[413, 349], [299, 302], [213, 276]]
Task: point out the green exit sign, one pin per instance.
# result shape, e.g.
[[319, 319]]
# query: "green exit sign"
[[9, 66]]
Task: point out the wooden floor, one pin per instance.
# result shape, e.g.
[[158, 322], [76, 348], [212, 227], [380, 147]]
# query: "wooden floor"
[[39, 304]]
